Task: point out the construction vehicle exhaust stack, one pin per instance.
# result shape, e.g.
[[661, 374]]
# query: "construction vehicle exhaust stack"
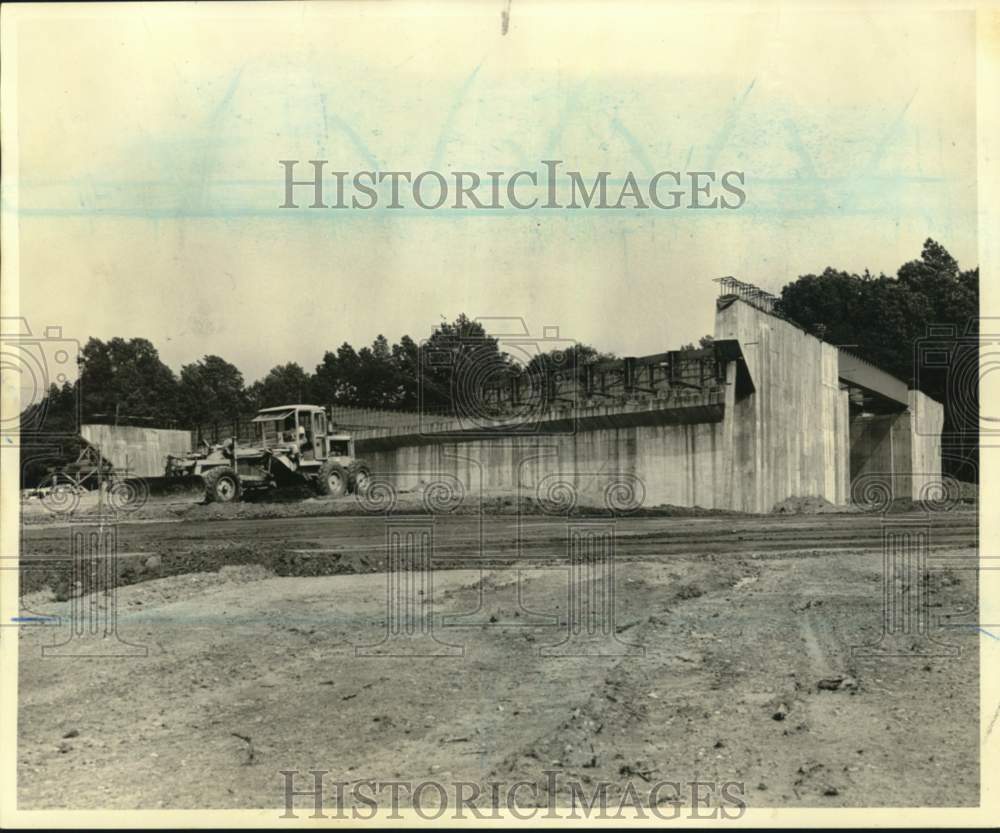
[[294, 444]]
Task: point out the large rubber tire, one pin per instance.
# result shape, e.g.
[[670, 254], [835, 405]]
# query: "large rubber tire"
[[222, 485], [332, 479], [360, 479]]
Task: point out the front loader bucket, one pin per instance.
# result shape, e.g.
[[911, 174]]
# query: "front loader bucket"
[[135, 491]]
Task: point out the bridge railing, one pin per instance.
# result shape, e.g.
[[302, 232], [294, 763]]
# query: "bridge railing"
[[606, 383]]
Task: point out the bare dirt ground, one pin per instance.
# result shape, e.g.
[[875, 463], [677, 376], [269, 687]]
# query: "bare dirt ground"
[[731, 661]]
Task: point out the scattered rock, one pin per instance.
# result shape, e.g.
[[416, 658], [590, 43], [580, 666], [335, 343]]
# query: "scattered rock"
[[838, 683], [780, 713], [250, 754], [640, 768], [153, 562], [687, 656], [807, 505], [689, 591], [72, 733], [64, 747]]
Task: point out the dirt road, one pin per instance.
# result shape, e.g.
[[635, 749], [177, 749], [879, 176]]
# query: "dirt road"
[[729, 658]]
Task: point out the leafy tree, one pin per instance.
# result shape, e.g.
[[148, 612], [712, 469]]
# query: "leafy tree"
[[703, 342], [49, 433], [575, 356], [327, 381], [286, 384], [458, 363], [406, 365], [211, 391], [884, 318], [55, 413], [125, 381], [379, 381]]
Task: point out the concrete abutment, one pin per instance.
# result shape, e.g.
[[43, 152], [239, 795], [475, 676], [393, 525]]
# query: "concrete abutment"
[[777, 423]]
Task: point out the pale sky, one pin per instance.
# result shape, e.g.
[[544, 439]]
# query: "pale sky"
[[149, 139]]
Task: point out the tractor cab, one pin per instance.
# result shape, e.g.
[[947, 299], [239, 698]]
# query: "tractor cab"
[[299, 427], [293, 444], [341, 445]]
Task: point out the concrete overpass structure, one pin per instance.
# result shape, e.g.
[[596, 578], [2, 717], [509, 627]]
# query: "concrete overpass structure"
[[766, 413]]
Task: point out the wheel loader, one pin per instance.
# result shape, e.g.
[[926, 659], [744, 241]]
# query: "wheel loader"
[[293, 444]]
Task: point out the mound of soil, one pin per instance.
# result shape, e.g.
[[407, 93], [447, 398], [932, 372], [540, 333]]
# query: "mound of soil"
[[809, 505]]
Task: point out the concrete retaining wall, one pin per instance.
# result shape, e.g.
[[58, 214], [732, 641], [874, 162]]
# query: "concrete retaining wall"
[[788, 434], [789, 437], [662, 464], [140, 451]]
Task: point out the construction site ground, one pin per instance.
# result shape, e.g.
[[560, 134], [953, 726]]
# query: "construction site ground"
[[731, 658]]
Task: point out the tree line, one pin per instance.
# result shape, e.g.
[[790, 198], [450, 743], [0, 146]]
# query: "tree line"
[[124, 381], [921, 325], [882, 318]]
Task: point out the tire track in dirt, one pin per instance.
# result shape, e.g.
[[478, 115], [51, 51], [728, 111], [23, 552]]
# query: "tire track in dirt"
[[586, 744]]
